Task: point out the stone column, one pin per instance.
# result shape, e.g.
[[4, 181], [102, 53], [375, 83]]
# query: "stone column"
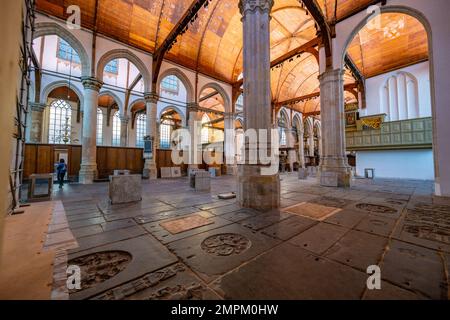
[[290, 141], [195, 130], [334, 168], [124, 120], [256, 190], [36, 119], [230, 143], [151, 103], [88, 170], [301, 149]]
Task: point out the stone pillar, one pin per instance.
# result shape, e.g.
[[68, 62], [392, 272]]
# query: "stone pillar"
[[151, 103], [301, 149], [290, 141], [195, 130], [124, 120], [256, 190], [35, 123], [230, 143], [88, 170], [334, 168]]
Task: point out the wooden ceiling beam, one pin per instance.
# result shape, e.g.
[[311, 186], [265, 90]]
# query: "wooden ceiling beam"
[[308, 47], [209, 96], [360, 9], [325, 31], [183, 24], [314, 95]]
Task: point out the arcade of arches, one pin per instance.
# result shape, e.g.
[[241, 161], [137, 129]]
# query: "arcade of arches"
[[354, 92]]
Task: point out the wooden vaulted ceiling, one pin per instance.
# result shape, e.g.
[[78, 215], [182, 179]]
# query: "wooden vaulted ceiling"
[[400, 41], [213, 43]]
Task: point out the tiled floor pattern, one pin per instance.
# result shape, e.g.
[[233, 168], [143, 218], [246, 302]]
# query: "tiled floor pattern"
[[181, 244]]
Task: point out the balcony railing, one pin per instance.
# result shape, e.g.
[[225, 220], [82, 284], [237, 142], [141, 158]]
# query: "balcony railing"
[[405, 134]]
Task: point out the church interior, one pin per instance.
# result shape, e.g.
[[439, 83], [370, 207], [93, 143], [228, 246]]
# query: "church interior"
[[225, 150]]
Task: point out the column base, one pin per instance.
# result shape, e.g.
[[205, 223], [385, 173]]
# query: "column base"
[[256, 191], [302, 173], [88, 173], [150, 171], [335, 177], [232, 170]]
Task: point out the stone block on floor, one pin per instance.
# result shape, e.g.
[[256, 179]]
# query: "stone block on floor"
[[125, 188]]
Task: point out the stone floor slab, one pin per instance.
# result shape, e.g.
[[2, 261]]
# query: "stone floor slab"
[[346, 218], [381, 226], [289, 228], [358, 249], [312, 210], [290, 273], [319, 238], [165, 236], [230, 255], [415, 268], [147, 255]]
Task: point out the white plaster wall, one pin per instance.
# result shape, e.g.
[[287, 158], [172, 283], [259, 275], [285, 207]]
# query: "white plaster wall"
[[375, 85], [435, 14], [398, 164]]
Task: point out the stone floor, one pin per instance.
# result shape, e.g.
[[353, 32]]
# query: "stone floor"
[[179, 244]]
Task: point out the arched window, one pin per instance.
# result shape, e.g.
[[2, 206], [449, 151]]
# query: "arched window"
[[99, 126], [282, 125], [171, 84], [205, 129], [59, 130], [399, 97], [116, 129], [141, 120]]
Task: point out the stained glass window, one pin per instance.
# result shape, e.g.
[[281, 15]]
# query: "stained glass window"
[[116, 129], [66, 52], [99, 127], [140, 126]]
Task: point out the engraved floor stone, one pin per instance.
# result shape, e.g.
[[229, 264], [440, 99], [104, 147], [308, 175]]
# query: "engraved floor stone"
[[210, 266], [377, 225], [100, 266], [288, 272], [165, 236], [358, 249], [288, 228], [312, 210], [185, 224], [319, 238], [147, 255], [143, 219], [226, 244], [415, 268], [331, 202], [375, 208]]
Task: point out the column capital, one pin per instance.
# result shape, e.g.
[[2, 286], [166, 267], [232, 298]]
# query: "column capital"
[[37, 106], [192, 107], [151, 97], [124, 119], [253, 5], [91, 83], [229, 115], [332, 75]]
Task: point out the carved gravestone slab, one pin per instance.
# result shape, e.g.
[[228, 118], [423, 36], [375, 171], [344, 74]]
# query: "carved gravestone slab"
[[111, 265]]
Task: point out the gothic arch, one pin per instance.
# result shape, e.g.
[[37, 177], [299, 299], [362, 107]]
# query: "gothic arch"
[[183, 78], [178, 110], [130, 56], [51, 28], [115, 97], [61, 83], [218, 88]]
